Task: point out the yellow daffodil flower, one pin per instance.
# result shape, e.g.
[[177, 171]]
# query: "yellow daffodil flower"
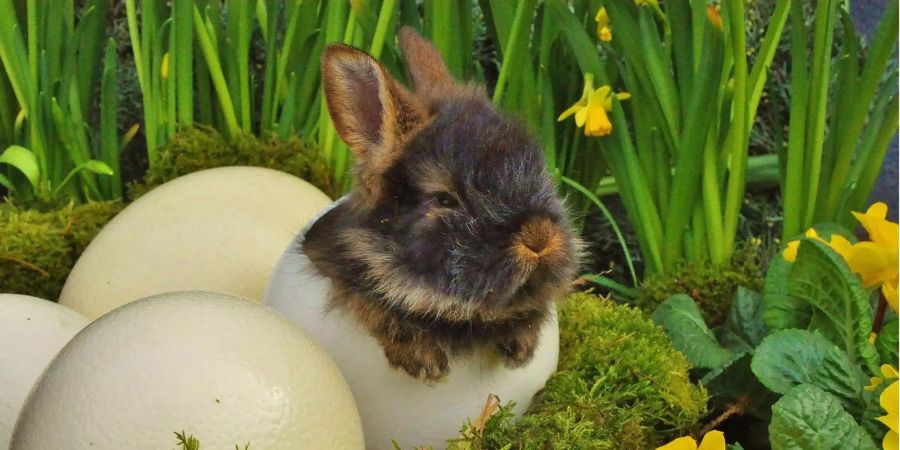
[[590, 110], [714, 440], [887, 373], [888, 401], [603, 32]]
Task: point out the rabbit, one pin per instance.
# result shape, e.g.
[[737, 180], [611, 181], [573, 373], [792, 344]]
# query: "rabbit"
[[453, 236]]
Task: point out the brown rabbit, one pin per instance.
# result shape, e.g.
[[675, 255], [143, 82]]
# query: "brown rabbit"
[[453, 235]]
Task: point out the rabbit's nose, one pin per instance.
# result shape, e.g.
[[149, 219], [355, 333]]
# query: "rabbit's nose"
[[538, 239]]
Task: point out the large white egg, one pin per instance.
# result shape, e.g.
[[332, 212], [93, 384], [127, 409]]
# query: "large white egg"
[[225, 369], [32, 331], [392, 404], [219, 230]]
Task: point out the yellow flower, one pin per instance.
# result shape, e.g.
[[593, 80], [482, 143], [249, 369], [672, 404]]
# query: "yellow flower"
[[590, 110], [887, 373], [888, 401], [164, 66], [714, 440], [602, 19], [790, 252], [881, 231]]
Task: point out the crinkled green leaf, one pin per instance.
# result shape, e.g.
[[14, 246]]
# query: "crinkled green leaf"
[[841, 309], [808, 418], [781, 309], [684, 324], [24, 160], [887, 342], [788, 358], [745, 327]]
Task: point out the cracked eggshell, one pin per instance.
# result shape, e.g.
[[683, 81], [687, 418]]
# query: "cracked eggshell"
[[218, 230], [393, 405], [32, 331], [225, 369]]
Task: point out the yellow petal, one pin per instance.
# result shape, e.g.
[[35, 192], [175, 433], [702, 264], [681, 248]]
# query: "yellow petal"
[[879, 228], [572, 110], [682, 443], [889, 290], [875, 263], [623, 96], [714, 440], [790, 252], [890, 441], [888, 371], [602, 17], [581, 116], [888, 401]]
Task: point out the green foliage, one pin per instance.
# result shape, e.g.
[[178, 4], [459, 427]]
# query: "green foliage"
[[886, 343], [50, 71], [201, 148], [38, 249], [681, 319], [620, 385], [840, 308], [189, 442], [711, 286], [810, 418]]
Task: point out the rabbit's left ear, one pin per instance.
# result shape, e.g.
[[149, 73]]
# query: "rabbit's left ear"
[[371, 111]]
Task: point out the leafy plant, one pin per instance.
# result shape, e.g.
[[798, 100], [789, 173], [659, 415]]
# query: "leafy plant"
[[52, 64], [806, 339]]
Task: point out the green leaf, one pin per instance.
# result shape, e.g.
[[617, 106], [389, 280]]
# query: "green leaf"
[[5, 182], [808, 418], [887, 342], [681, 319], [745, 328], [841, 309], [735, 381], [781, 309], [788, 358], [24, 160]]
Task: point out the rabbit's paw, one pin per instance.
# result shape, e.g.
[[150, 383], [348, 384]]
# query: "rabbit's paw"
[[420, 359], [518, 349]]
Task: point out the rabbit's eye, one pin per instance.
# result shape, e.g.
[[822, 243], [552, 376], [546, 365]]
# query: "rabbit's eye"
[[445, 200]]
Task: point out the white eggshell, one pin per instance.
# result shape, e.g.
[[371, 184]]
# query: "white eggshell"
[[32, 331], [219, 230], [392, 404], [225, 369]]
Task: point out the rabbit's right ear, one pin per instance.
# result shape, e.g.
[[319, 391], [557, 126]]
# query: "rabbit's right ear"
[[430, 77], [371, 111]]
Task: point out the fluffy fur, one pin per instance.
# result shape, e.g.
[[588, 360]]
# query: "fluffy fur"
[[453, 236]]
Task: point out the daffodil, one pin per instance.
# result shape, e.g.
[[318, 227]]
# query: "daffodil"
[[714, 440], [590, 110], [603, 32], [888, 401], [887, 373]]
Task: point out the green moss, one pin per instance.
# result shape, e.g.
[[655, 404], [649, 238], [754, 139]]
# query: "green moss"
[[38, 249], [620, 384], [200, 148], [711, 286]]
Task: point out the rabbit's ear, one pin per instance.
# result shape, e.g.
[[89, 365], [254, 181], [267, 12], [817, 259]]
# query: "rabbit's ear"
[[369, 109], [427, 70]]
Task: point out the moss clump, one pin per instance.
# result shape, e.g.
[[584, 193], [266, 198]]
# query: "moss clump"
[[620, 384], [711, 286], [200, 148], [38, 249]]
